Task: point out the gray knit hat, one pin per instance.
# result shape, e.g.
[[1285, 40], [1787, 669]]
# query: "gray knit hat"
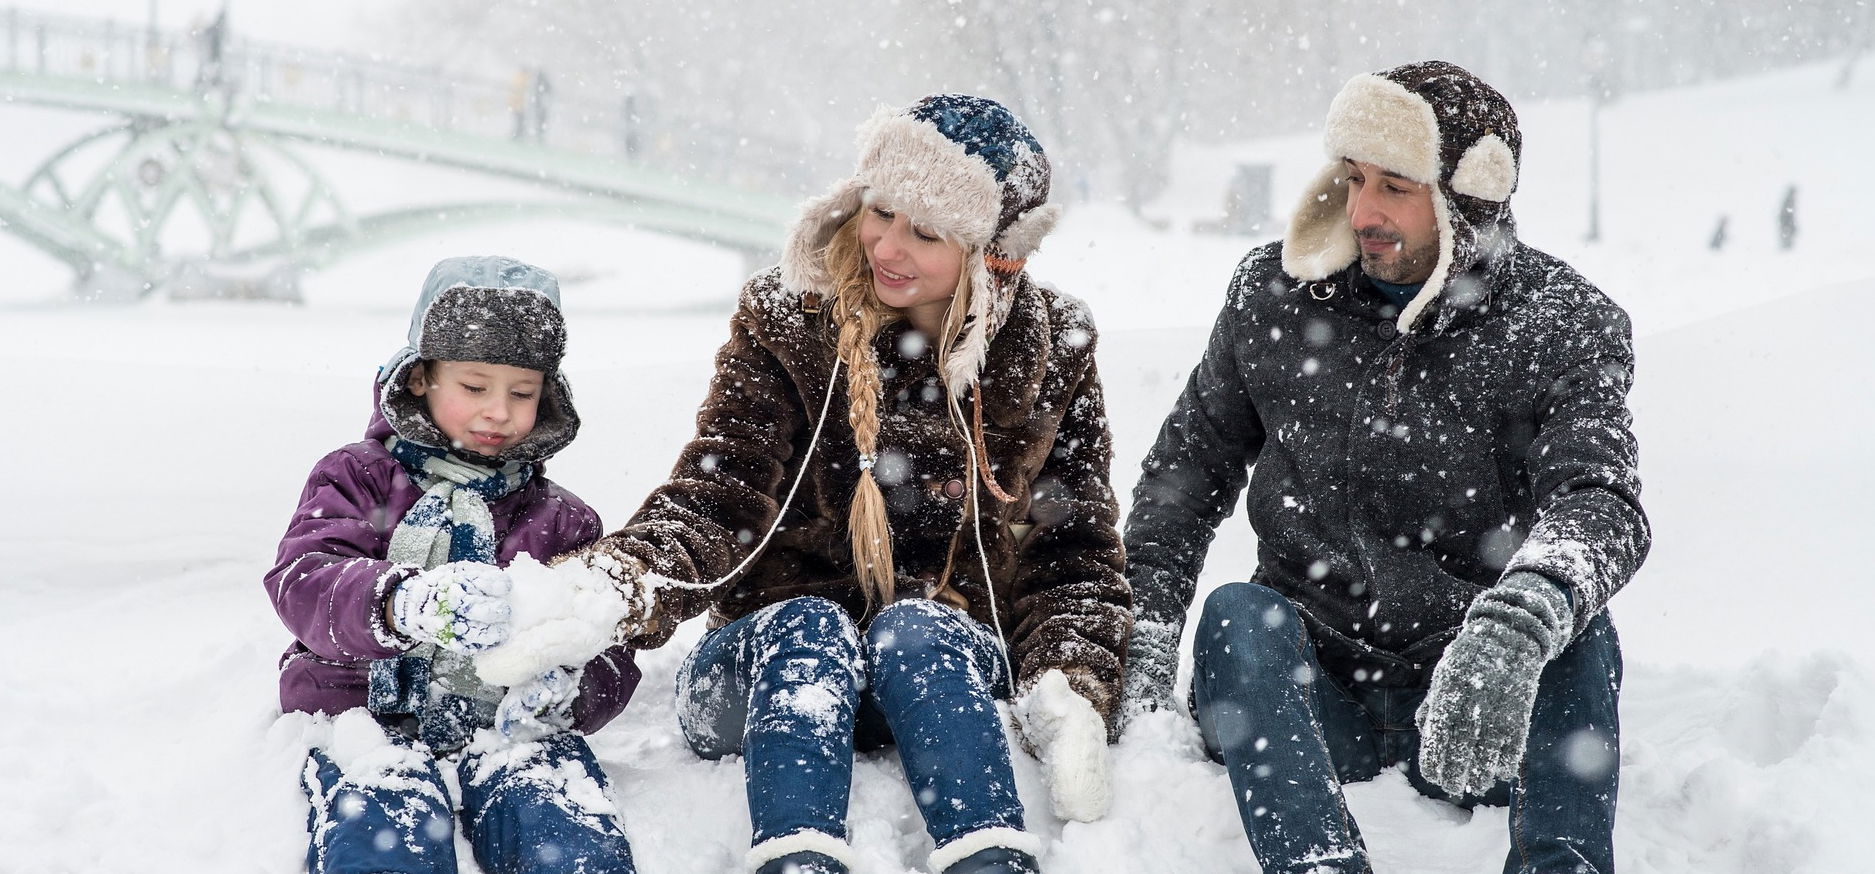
[[493, 310]]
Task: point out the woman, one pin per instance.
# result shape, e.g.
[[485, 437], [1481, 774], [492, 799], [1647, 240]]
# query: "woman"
[[896, 508]]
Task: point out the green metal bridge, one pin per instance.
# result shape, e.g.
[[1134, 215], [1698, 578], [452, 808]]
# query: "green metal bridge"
[[208, 132]]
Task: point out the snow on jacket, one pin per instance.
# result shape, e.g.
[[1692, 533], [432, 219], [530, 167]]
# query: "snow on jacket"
[[331, 579], [1392, 477], [1060, 595]]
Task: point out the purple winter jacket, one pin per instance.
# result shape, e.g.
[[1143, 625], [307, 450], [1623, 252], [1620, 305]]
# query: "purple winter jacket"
[[331, 579]]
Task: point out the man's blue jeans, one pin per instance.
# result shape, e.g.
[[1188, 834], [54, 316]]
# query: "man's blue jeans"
[[1290, 735], [793, 688], [531, 809]]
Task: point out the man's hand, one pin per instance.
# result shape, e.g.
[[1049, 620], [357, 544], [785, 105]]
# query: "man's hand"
[[1151, 667], [539, 707], [461, 606], [1476, 717]]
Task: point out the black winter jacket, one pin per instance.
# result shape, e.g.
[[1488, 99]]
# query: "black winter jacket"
[[1392, 477]]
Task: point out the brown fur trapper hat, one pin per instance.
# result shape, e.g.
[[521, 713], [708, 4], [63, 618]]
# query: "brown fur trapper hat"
[[493, 310], [1432, 122]]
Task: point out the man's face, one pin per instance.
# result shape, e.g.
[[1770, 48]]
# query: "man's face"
[[1393, 224]]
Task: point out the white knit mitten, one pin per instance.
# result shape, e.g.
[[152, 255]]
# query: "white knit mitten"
[[1070, 738]]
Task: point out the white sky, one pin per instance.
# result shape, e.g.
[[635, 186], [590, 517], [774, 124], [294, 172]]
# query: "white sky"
[[335, 24]]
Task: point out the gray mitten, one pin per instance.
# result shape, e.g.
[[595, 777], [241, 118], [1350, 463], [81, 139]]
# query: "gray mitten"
[[1151, 667], [1476, 717]]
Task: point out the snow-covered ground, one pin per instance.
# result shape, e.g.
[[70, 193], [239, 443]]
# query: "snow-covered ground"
[[155, 451]]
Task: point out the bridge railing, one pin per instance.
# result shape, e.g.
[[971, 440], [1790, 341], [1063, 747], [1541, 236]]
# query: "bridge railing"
[[568, 115]]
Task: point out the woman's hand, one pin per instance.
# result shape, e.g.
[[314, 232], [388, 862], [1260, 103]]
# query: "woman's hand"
[[1063, 730]]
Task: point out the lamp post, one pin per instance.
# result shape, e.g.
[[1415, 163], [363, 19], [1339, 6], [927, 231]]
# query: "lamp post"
[[151, 46], [1595, 63]]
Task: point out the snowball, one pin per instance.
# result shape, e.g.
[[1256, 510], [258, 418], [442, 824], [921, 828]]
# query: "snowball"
[[562, 615]]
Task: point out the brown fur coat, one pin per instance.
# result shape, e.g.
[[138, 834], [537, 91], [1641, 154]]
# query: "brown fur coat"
[[1060, 594]]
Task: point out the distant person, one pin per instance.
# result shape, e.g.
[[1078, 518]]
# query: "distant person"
[[896, 510], [630, 124], [213, 42], [1787, 220], [390, 577], [1431, 421], [519, 102], [540, 96]]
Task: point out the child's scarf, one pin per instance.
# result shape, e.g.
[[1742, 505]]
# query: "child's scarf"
[[451, 522]]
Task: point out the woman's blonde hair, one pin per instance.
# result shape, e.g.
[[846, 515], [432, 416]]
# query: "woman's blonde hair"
[[858, 315]]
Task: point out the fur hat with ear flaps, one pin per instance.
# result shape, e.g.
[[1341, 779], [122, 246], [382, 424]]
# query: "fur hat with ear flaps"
[[961, 166], [496, 311], [1432, 122]]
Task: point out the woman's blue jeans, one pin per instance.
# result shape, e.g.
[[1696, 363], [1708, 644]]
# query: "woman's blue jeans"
[[533, 809], [1290, 735], [793, 687]]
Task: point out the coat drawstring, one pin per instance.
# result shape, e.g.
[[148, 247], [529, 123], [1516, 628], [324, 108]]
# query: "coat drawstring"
[[1396, 365], [979, 463], [982, 452], [833, 379]]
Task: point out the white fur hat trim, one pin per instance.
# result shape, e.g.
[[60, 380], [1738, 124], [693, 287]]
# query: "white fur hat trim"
[[1487, 170], [1376, 120], [967, 358], [913, 169], [1320, 241], [802, 264], [1441, 269]]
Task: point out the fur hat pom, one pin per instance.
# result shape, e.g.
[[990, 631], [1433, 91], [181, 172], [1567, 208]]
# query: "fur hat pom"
[[1487, 170], [1024, 235]]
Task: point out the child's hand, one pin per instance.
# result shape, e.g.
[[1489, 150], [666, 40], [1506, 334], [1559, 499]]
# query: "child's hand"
[[461, 606], [536, 708]]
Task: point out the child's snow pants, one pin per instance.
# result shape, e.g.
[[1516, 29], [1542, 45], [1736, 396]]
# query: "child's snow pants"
[[534, 808]]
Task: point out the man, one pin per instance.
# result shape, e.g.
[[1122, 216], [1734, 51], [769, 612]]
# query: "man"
[[1431, 420]]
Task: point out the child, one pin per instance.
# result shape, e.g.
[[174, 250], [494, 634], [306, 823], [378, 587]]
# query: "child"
[[391, 576]]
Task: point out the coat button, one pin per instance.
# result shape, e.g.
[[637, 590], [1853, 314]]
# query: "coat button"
[[1386, 330], [954, 489]]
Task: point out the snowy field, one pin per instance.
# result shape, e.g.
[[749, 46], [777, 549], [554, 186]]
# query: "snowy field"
[[155, 453]]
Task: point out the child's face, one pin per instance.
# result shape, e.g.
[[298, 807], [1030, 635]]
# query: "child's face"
[[482, 408]]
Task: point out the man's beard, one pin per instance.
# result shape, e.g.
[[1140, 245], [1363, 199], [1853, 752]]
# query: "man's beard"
[[1404, 266]]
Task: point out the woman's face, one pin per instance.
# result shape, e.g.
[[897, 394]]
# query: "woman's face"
[[913, 269]]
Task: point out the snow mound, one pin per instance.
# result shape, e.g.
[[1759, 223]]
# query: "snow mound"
[[562, 615]]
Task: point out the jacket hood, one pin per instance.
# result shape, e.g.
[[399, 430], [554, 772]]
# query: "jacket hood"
[[494, 310], [1437, 124]]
